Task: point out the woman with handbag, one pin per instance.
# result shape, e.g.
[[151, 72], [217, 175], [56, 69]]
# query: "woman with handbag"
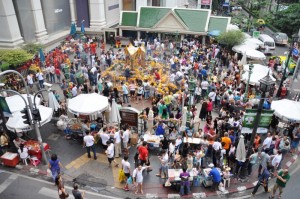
[[62, 193]]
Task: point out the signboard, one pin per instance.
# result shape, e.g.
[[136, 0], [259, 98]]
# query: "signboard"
[[255, 34], [128, 118], [251, 114], [295, 52], [249, 131], [205, 2]]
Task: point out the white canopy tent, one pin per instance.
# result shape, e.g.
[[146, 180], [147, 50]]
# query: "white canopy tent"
[[287, 110], [16, 103], [241, 150], [53, 101], [255, 54], [88, 104], [254, 40], [258, 72], [15, 123], [232, 27], [247, 35], [244, 47]]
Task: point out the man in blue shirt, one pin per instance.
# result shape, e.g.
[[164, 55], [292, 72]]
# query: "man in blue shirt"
[[216, 177], [263, 180]]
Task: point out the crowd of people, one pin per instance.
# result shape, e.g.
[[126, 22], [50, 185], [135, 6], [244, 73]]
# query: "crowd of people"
[[218, 88]]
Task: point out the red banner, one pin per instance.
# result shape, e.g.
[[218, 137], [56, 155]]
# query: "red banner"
[[205, 2]]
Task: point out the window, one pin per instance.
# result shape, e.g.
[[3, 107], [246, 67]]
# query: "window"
[[129, 5]]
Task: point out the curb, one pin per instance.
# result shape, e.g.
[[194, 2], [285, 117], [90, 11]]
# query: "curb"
[[239, 189]]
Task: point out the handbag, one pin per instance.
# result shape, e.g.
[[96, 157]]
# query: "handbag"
[[129, 180], [122, 176]]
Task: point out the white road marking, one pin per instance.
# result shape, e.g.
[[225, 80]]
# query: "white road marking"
[[51, 193], [288, 164], [7, 182]]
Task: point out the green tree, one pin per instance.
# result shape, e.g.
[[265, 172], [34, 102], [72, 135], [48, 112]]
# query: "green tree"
[[15, 57], [231, 38], [32, 48], [288, 20]]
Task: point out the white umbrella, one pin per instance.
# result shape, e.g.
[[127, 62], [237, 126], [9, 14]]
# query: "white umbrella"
[[15, 123], [232, 27], [254, 40], [287, 110], [114, 113], [241, 150], [16, 103], [244, 59], [247, 35], [88, 104], [52, 101], [243, 48], [255, 54], [258, 72]]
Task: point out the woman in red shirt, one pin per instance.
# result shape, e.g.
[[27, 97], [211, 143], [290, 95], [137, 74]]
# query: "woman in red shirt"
[[209, 107]]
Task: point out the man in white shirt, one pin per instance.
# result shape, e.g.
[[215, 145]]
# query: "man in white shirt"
[[267, 143], [30, 80], [110, 153], [276, 161], [125, 138], [88, 143], [204, 86], [52, 73], [126, 169], [117, 138], [104, 138], [74, 91], [40, 77], [212, 95]]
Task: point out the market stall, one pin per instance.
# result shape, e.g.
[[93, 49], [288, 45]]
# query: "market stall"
[[34, 148], [16, 103], [88, 104], [152, 139], [282, 109], [258, 72], [15, 123]]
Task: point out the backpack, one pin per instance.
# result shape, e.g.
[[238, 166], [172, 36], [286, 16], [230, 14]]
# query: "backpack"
[[160, 130]]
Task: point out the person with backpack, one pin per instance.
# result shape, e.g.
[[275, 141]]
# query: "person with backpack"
[[160, 130]]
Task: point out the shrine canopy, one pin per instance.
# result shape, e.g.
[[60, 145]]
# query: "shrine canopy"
[[137, 54]]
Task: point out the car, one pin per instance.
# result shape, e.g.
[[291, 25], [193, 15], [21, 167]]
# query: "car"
[[280, 38]]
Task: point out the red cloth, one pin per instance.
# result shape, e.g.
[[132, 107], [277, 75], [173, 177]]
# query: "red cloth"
[[34, 148], [157, 76], [143, 153], [209, 106]]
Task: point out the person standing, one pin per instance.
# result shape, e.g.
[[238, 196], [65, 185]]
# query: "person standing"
[[76, 193], [54, 165], [111, 153], [125, 138], [283, 177], [88, 142], [126, 169], [40, 77], [138, 178], [125, 93], [262, 180], [117, 138], [104, 138], [52, 73], [58, 74], [185, 182], [30, 81], [144, 155]]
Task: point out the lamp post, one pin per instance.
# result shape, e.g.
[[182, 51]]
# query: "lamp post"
[[251, 66], [295, 39], [265, 86], [192, 87], [30, 109]]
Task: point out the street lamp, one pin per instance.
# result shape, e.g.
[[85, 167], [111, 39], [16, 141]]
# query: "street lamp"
[[31, 110], [191, 88], [295, 38], [265, 86], [251, 66]]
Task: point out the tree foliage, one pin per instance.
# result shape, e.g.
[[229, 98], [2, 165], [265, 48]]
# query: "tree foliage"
[[32, 48], [231, 38], [15, 57], [288, 20]]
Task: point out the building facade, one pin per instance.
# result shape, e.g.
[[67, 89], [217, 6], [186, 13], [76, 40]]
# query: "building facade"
[[46, 21]]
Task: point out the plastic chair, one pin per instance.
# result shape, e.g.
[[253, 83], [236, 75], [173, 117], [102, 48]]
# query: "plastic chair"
[[34, 161], [24, 160], [226, 181]]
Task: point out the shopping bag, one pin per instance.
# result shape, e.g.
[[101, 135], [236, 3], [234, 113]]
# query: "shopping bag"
[[129, 180], [122, 176]]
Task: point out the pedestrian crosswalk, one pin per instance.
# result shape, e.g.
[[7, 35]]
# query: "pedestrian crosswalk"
[[7, 182], [51, 193]]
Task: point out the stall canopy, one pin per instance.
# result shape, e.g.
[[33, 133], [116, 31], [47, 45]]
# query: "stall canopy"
[[255, 54], [243, 48], [88, 104], [254, 40], [232, 27], [287, 110], [52, 101], [16, 103], [15, 123], [258, 72]]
